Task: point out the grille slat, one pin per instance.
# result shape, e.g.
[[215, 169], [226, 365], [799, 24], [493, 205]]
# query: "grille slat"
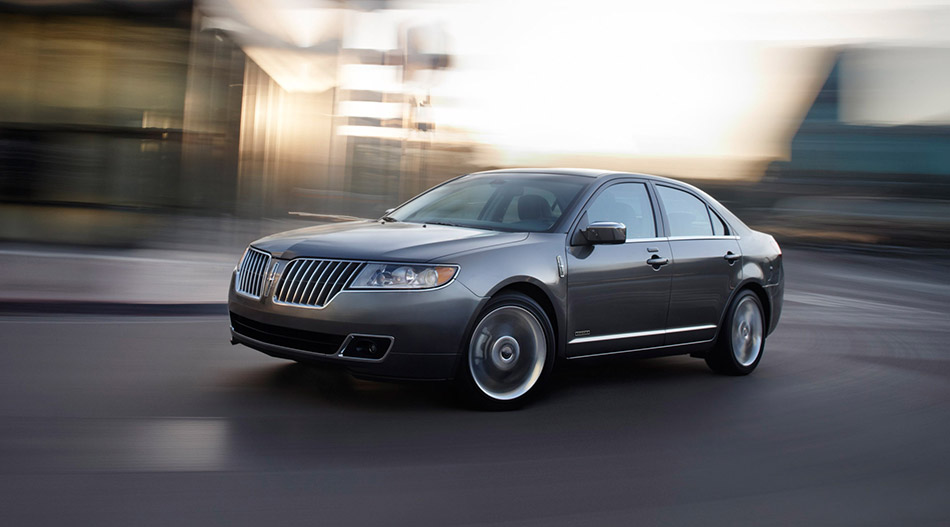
[[340, 277], [306, 281], [246, 270], [301, 280], [284, 280], [255, 276], [313, 291], [309, 285], [252, 272], [340, 284], [314, 282], [295, 279], [320, 298]]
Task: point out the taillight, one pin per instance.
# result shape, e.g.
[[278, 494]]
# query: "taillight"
[[775, 245]]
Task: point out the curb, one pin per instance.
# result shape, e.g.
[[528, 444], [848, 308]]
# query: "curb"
[[69, 307]]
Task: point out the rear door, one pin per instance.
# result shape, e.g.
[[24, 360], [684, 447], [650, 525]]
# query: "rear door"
[[616, 300], [707, 265]]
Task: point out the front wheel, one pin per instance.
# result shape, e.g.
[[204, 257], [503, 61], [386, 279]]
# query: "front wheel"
[[509, 352], [741, 339]]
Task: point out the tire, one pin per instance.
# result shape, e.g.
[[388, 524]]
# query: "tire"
[[508, 354], [741, 341]]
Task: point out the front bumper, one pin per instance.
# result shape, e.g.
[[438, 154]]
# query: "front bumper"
[[427, 329]]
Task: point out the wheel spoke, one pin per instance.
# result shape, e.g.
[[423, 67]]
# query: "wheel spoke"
[[747, 334]]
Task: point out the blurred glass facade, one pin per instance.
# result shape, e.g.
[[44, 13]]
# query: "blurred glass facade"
[[117, 116], [871, 182], [91, 120]]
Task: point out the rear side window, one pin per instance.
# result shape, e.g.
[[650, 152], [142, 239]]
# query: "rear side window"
[[719, 226], [687, 215], [627, 203]]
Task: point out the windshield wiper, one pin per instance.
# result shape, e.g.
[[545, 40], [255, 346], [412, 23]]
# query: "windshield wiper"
[[388, 219], [447, 224]]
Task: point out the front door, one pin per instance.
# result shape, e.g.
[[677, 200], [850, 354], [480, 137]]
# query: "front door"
[[617, 301]]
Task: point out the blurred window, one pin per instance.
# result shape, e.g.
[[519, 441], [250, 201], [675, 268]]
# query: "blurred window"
[[627, 203], [719, 226], [506, 202], [687, 214]]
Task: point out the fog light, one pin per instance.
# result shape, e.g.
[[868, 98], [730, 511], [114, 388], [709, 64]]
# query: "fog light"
[[364, 348], [367, 346]]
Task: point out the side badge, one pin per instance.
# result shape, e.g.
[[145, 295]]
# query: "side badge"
[[582, 333], [561, 268]]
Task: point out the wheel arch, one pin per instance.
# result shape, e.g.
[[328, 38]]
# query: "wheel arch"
[[533, 291], [537, 294], [759, 290]]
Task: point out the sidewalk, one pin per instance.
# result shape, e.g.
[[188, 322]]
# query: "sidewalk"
[[183, 268], [53, 280]]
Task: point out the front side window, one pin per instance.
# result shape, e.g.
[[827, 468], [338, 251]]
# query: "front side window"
[[686, 214], [627, 203]]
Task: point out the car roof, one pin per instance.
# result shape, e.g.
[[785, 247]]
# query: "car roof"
[[584, 172]]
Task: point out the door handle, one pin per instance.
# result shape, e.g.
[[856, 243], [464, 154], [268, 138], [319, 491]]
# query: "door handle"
[[732, 257], [657, 262]]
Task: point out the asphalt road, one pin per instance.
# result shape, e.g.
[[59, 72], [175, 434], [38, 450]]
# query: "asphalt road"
[[159, 421]]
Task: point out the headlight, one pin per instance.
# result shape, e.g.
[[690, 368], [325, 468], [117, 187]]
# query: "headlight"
[[402, 276]]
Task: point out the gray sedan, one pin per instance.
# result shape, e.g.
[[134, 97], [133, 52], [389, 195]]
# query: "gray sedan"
[[491, 278]]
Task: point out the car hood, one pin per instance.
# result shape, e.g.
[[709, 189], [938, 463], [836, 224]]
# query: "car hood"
[[373, 240]]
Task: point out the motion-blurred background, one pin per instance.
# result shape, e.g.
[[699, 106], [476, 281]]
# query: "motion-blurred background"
[[145, 143], [178, 123]]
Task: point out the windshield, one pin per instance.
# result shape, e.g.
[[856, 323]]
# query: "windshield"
[[506, 202]]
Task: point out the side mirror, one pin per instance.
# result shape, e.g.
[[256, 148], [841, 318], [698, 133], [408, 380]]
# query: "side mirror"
[[605, 232]]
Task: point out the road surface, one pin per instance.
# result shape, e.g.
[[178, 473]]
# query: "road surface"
[[160, 421]]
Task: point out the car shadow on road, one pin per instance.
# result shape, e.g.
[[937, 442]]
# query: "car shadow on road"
[[335, 387]]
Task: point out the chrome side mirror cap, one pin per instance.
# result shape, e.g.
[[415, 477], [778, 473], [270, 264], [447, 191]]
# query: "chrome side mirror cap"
[[605, 232]]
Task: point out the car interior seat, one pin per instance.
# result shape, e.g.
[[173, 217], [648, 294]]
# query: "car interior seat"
[[532, 207]]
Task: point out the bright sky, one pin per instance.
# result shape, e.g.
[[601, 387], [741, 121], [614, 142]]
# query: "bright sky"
[[675, 78], [535, 79]]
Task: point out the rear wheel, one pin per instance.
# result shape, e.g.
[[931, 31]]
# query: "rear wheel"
[[510, 351], [741, 341]]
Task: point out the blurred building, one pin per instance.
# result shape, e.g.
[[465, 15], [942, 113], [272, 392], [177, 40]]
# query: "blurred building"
[[115, 116], [120, 117], [91, 115], [873, 181], [111, 115], [883, 159]]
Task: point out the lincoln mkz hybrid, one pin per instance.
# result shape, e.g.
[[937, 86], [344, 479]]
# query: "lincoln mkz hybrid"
[[491, 278]]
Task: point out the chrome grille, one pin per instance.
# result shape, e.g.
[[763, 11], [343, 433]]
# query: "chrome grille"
[[252, 272], [314, 282]]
